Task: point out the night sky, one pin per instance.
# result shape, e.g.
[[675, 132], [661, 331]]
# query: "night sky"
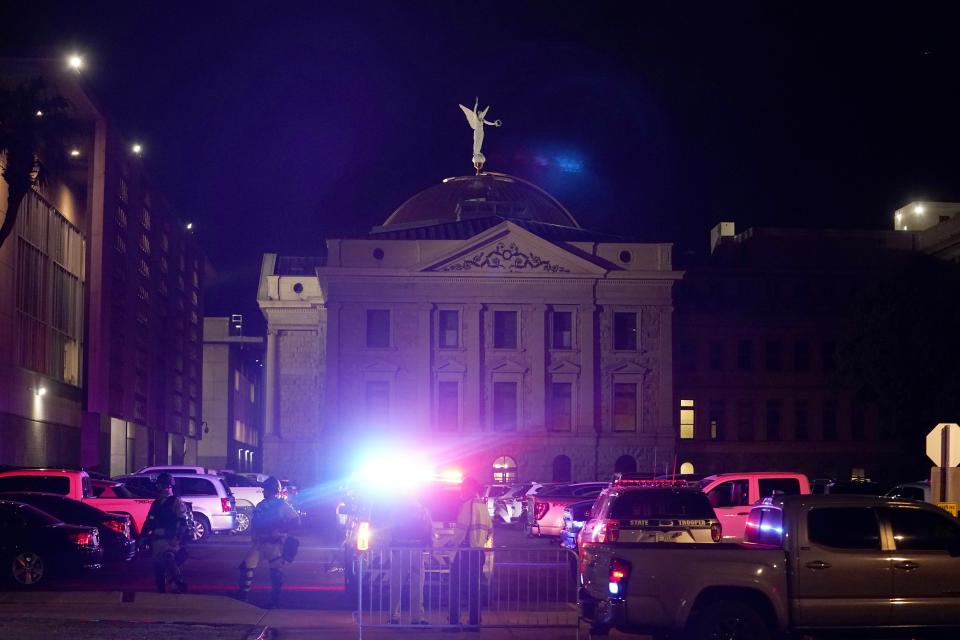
[[275, 125]]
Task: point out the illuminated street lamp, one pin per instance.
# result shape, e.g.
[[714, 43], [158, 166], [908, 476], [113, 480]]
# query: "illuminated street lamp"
[[75, 62], [74, 153], [189, 226], [137, 148], [39, 113]]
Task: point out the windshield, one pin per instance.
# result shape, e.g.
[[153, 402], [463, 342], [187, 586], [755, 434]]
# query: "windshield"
[[646, 503], [234, 480]]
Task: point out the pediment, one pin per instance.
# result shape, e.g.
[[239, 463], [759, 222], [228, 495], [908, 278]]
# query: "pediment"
[[564, 366], [509, 366], [508, 248], [629, 367], [379, 366], [450, 367]]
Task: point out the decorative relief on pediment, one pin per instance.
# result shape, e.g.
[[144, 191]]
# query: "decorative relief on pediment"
[[504, 257]]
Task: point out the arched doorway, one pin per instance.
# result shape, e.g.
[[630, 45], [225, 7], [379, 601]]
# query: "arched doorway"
[[504, 470], [561, 469], [686, 468], [625, 464]]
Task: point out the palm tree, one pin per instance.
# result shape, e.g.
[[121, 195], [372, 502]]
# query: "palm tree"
[[33, 131]]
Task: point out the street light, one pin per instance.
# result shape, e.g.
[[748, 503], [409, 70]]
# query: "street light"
[[137, 148], [918, 209], [189, 226], [74, 153], [75, 61]]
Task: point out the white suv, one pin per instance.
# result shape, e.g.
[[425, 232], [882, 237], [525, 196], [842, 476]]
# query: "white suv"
[[247, 493], [214, 507]]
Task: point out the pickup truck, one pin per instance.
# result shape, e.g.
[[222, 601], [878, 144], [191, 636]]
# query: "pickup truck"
[[75, 485], [810, 564]]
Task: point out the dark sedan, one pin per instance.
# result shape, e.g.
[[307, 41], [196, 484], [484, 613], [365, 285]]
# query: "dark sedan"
[[34, 545], [574, 517], [116, 536]]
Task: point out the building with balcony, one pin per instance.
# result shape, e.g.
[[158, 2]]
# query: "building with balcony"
[[480, 326]]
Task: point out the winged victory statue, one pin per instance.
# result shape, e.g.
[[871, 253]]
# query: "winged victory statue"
[[477, 118]]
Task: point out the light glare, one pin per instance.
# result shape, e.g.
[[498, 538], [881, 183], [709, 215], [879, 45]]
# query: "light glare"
[[918, 209], [74, 153], [75, 62], [137, 148]]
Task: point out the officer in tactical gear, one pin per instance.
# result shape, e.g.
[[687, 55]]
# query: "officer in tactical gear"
[[272, 520], [166, 526]]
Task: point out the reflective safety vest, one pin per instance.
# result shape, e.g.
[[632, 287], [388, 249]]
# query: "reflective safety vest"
[[474, 527]]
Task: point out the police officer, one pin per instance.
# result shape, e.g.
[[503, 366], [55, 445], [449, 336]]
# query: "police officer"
[[473, 531], [166, 525], [272, 519]]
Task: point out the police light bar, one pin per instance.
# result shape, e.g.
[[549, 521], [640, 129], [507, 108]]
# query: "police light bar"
[[644, 480]]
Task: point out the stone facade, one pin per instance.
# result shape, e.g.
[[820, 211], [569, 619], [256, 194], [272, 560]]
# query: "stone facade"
[[337, 389]]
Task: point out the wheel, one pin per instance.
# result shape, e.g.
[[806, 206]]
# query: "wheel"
[[27, 569], [202, 529], [243, 521], [728, 620]]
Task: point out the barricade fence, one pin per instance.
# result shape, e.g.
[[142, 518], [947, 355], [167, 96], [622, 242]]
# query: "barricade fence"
[[437, 587]]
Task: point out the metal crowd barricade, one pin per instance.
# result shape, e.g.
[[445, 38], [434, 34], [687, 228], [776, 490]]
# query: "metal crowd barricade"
[[487, 588]]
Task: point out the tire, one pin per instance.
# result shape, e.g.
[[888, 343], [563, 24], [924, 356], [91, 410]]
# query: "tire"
[[27, 569], [202, 531], [243, 520], [728, 620]]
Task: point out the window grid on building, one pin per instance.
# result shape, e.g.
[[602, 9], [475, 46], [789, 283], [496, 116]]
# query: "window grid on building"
[[505, 406], [625, 331], [505, 330], [687, 419], [448, 329], [448, 405], [560, 408], [562, 329], [625, 406], [378, 328]]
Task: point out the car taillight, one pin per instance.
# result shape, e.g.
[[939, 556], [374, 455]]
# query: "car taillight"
[[363, 536], [225, 505], [85, 539], [716, 532], [619, 574], [607, 531], [117, 525], [540, 509]]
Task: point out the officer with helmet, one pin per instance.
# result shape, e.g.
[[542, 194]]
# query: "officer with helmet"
[[272, 520], [166, 525]]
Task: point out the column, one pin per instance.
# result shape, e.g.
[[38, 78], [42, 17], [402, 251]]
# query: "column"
[[473, 381], [536, 343], [588, 418], [270, 386], [425, 354], [331, 413]]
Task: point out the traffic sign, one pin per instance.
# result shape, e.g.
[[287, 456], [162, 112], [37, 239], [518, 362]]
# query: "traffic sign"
[[949, 507], [935, 442]]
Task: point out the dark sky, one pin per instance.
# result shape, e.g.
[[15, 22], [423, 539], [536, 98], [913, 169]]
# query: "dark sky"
[[275, 125]]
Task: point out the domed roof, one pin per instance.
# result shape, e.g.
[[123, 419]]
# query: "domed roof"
[[480, 196]]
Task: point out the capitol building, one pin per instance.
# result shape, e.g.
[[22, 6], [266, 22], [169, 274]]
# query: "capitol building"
[[480, 326]]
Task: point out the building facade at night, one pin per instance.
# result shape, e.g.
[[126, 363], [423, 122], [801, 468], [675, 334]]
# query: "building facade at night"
[[100, 341], [232, 427], [480, 326], [758, 324]]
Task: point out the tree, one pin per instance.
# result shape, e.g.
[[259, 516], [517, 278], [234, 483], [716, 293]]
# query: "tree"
[[903, 350], [33, 136]]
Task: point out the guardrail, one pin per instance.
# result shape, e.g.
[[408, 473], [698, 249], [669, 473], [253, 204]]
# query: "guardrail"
[[472, 588]]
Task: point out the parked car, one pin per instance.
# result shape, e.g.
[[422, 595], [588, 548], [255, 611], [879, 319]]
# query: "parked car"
[[490, 493], [545, 509], [116, 534], [247, 494], [511, 507], [76, 485], [919, 491], [34, 545], [856, 487], [732, 494], [211, 502], [574, 517], [170, 468], [811, 563], [256, 477]]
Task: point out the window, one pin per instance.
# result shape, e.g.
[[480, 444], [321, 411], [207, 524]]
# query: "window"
[[779, 486], [732, 493], [163, 264], [253, 394], [561, 469], [828, 355], [687, 356], [195, 279], [904, 492], [716, 419], [829, 419], [562, 330], [801, 355], [919, 530], [764, 526], [378, 328], [59, 485], [625, 464], [449, 322], [505, 471], [686, 468], [625, 331], [143, 294], [186, 486], [745, 418], [625, 406], [121, 217], [124, 190], [120, 244], [687, 419], [448, 405], [773, 420], [145, 218], [774, 355], [716, 355], [744, 355], [236, 380], [194, 298], [844, 528], [377, 400], [560, 409], [801, 420], [144, 268], [164, 241], [504, 406], [505, 329]]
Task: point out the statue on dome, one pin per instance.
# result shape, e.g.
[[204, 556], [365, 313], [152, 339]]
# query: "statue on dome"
[[476, 119]]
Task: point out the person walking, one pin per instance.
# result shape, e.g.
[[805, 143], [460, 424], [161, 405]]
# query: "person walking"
[[272, 520], [410, 534], [473, 533], [166, 526]]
